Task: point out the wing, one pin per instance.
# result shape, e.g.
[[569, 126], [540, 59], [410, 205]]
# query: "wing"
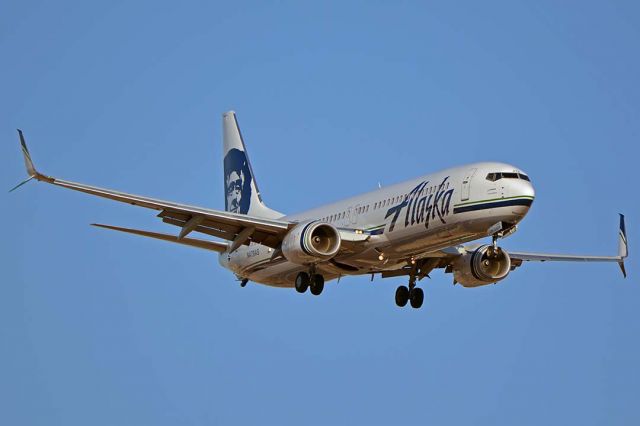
[[623, 251], [446, 257], [237, 228]]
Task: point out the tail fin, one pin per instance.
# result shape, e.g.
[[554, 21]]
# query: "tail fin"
[[240, 186]]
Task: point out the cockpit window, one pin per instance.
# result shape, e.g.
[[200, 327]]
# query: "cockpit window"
[[492, 177]]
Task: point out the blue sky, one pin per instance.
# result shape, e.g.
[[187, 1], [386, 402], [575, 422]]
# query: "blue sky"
[[102, 328]]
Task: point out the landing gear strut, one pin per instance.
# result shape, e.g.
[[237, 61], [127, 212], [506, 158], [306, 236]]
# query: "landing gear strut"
[[412, 294], [494, 250], [313, 281]]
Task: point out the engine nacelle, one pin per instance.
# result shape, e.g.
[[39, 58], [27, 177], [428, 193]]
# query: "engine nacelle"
[[482, 266], [311, 242]]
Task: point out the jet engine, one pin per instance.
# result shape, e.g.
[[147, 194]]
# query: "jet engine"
[[311, 242], [485, 265]]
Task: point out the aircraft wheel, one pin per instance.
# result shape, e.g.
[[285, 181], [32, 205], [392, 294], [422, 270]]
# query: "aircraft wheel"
[[317, 284], [302, 282], [402, 296], [416, 297]]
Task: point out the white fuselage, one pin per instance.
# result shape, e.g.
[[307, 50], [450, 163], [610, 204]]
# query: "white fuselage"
[[405, 221]]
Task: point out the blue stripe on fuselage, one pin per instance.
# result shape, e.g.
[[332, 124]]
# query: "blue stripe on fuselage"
[[493, 204]]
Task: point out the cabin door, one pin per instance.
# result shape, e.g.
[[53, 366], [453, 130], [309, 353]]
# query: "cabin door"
[[466, 184]]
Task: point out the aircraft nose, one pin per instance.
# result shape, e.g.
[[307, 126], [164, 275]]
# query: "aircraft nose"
[[522, 194]]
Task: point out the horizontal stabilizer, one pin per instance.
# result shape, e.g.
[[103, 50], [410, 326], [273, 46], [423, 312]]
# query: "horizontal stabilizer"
[[193, 242]]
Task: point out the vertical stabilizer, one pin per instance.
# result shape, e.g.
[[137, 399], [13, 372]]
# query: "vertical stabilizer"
[[240, 186]]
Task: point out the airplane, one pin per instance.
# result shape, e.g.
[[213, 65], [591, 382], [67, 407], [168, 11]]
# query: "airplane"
[[404, 230]]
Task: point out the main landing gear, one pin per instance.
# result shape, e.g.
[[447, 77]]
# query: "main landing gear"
[[314, 282], [412, 294]]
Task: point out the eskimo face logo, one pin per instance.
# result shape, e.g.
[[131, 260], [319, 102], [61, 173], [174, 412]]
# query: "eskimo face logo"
[[237, 182], [423, 206]]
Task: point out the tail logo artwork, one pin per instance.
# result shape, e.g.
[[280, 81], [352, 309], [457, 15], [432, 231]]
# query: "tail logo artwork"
[[237, 182]]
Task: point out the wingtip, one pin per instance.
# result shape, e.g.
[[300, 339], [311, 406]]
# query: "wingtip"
[[21, 183], [28, 162], [622, 268], [623, 244]]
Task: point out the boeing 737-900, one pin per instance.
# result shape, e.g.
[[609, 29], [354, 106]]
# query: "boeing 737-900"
[[404, 230]]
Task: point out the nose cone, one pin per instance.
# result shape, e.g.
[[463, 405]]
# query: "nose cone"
[[522, 194]]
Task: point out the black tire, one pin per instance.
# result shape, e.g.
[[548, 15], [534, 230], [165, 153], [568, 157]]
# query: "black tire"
[[302, 282], [402, 296], [416, 297], [317, 284]]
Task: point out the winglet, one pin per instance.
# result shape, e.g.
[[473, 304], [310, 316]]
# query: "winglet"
[[623, 247], [28, 163], [31, 170]]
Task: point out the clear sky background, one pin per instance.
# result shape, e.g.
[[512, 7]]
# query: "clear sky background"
[[103, 328]]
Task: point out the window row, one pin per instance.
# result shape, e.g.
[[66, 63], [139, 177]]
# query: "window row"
[[395, 200], [383, 203]]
